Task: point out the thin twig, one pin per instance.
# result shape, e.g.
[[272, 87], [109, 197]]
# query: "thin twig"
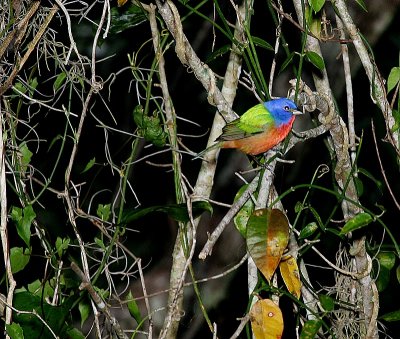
[[276, 49], [349, 92], [382, 168], [212, 239], [3, 226]]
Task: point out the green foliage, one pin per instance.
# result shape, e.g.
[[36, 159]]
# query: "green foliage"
[[126, 18], [149, 127], [362, 4], [74, 119], [19, 258], [310, 329], [177, 212], [316, 60], [84, 311], [31, 325], [359, 221], [241, 218], [308, 230], [62, 245], [393, 79], [133, 307], [60, 80], [26, 156], [15, 331], [316, 5], [327, 302], [89, 165], [104, 211], [391, 316], [23, 220]]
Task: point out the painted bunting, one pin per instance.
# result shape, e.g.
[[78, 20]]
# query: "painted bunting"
[[258, 129]]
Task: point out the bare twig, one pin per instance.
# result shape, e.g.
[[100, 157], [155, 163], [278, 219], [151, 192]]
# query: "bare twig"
[[212, 239], [378, 92], [3, 226], [349, 92], [101, 305], [382, 168], [31, 47]]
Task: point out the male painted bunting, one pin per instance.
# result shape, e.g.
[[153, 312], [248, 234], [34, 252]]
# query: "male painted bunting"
[[258, 129]]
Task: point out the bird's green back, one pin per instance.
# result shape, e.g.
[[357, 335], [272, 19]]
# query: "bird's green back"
[[257, 116]]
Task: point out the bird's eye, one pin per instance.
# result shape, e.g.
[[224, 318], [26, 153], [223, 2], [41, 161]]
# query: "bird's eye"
[[286, 108]]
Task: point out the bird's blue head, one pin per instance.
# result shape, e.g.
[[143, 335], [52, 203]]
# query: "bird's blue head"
[[282, 110]]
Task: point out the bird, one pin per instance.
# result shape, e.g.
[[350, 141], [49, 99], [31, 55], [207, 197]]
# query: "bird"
[[259, 129]]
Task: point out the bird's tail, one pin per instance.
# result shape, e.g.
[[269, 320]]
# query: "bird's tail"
[[210, 148]]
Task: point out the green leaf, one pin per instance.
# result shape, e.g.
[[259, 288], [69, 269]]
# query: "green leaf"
[[327, 302], [149, 127], [74, 333], [315, 59], [317, 217], [32, 86], [62, 245], [287, 62], [55, 316], [377, 182], [310, 329], [398, 274], [54, 140], [20, 87], [23, 220], [26, 156], [218, 53], [100, 243], [104, 211], [396, 115], [242, 216], [393, 79], [386, 259], [298, 207], [84, 310], [125, 18], [308, 230], [361, 3], [133, 308], [391, 316], [15, 331], [177, 212], [261, 43], [19, 258], [359, 186], [313, 21], [59, 81], [89, 165], [36, 287], [316, 5], [383, 279], [359, 221]]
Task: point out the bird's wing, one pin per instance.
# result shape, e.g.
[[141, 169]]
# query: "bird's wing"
[[256, 120], [239, 130]]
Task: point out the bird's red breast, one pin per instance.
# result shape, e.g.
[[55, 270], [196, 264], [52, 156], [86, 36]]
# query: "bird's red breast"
[[260, 142]]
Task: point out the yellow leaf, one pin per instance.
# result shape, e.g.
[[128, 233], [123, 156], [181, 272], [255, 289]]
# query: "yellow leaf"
[[291, 276], [121, 2], [267, 237], [266, 320]]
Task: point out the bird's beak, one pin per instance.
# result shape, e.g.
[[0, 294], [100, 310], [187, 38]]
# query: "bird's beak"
[[296, 112]]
